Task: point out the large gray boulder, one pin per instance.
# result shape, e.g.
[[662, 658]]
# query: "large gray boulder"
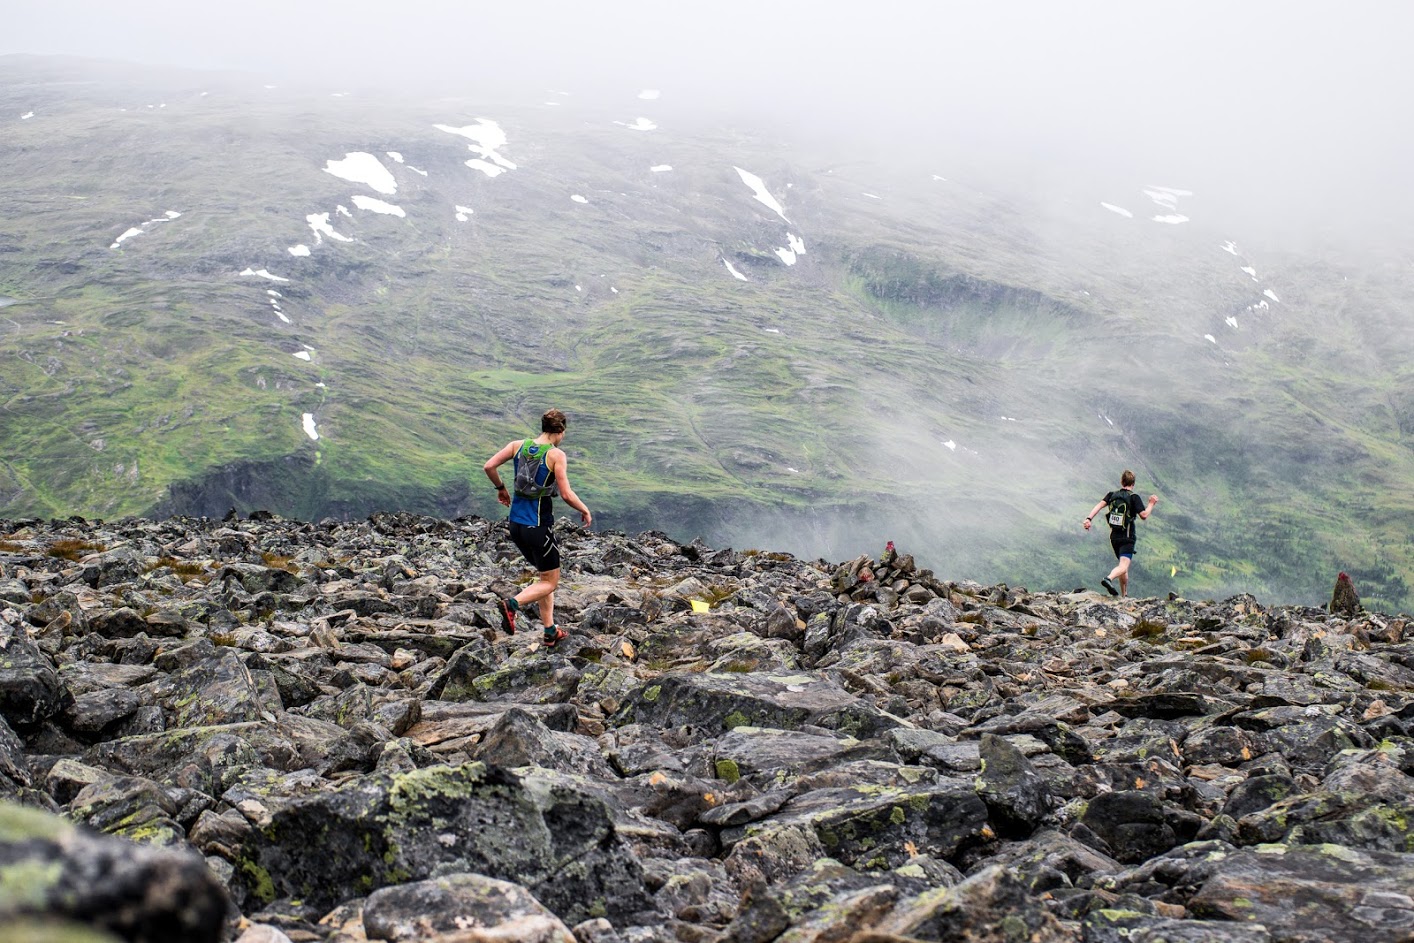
[[50, 868], [324, 846]]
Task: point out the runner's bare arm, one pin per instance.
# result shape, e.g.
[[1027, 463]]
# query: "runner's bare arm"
[[1144, 514], [559, 464], [1091, 516], [493, 465]]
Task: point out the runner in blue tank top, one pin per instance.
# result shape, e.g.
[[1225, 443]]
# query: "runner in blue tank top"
[[541, 475]]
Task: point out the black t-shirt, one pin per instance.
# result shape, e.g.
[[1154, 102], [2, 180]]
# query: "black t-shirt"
[[1136, 504]]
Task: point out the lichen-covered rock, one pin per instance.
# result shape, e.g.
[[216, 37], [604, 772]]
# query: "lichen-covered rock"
[[129, 807], [989, 907], [1130, 825], [1112, 925], [50, 868], [41, 930], [30, 691], [1319, 892], [458, 907], [874, 828], [323, 847], [215, 690], [1017, 797], [715, 703]]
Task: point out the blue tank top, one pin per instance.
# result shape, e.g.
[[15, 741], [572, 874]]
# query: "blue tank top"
[[528, 510]]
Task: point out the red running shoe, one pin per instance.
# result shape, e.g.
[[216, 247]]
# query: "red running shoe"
[[552, 639], [508, 616]]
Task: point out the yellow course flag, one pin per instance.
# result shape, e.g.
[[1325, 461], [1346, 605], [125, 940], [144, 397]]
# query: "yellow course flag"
[[1173, 571], [700, 606]]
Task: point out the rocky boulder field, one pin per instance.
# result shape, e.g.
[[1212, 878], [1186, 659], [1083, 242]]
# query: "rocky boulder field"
[[266, 730]]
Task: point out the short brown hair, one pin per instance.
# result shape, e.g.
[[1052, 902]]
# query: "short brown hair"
[[553, 421], [1125, 481]]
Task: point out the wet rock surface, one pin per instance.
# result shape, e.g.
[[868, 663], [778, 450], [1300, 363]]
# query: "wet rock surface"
[[274, 730]]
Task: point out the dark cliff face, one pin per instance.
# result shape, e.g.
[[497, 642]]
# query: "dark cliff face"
[[294, 486]]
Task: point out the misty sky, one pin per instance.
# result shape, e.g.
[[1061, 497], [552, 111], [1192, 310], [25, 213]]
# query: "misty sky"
[[1306, 101]]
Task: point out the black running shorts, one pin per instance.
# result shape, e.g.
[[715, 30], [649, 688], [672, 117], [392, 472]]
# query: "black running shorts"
[[1122, 548], [538, 545]]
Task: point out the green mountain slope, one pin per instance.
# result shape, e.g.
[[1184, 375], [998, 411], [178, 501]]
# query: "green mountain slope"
[[963, 365]]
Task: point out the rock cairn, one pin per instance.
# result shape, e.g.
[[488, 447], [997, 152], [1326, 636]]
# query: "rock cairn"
[[271, 731]]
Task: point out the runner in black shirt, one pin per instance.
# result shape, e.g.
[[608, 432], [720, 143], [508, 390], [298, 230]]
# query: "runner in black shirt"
[[1122, 508]]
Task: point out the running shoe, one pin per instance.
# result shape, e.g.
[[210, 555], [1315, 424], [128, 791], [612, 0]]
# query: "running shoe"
[[1109, 586], [551, 639], [508, 616]]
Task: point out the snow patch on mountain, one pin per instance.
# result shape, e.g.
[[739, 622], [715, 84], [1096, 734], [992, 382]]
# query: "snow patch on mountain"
[[373, 205], [1167, 197], [763, 196], [134, 231], [264, 273], [319, 223], [142, 228], [487, 138], [795, 247], [1117, 209], [362, 167]]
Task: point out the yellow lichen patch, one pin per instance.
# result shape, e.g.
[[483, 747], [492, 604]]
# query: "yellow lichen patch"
[[25, 885]]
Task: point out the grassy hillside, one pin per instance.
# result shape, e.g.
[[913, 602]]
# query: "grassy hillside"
[[963, 365]]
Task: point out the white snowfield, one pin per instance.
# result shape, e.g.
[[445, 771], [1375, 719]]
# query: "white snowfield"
[[763, 195], [303, 355], [139, 230], [649, 94], [309, 429], [373, 205], [487, 139], [732, 268], [1117, 209], [264, 273], [362, 167], [1272, 295], [319, 222], [299, 251], [661, 168], [639, 124]]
